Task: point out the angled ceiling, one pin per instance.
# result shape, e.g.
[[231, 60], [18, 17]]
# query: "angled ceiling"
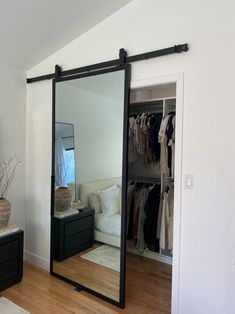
[[31, 30]]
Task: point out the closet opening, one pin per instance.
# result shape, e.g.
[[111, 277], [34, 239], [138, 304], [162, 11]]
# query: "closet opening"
[[150, 207]]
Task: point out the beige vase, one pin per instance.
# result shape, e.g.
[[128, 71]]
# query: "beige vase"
[[5, 211], [63, 198]]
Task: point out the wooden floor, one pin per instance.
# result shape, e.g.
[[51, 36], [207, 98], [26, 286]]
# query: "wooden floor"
[[90, 274], [148, 291]]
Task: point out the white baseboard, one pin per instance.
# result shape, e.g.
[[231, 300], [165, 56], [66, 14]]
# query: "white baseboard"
[[156, 256], [37, 260]]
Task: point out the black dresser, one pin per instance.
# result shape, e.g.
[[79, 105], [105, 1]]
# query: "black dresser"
[[72, 234], [11, 259]]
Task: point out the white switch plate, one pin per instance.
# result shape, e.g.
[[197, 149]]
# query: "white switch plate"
[[189, 181]]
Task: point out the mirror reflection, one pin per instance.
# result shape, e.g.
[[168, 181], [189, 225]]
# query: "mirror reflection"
[[64, 166], [87, 211]]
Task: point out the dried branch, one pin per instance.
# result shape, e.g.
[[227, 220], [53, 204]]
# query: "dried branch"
[[7, 174]]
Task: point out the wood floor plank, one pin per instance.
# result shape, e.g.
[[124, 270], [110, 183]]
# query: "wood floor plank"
[[91, 275], [148, 291]]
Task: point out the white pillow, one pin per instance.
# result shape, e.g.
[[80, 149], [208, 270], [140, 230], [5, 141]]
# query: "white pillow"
[[95, 202], [110, 200]]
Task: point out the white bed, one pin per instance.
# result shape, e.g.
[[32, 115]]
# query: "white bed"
[[107, 228]]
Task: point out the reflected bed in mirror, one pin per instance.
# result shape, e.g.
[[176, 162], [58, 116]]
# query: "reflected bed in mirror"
[[87, 235]]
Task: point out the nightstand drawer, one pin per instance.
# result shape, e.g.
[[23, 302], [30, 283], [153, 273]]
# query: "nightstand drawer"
[[77, 240], [9, 250], [72, 234], [11, 259], [8, 269], [78, 225]]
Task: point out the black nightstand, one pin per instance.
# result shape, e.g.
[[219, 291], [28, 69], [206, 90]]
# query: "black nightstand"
[[11, 259], [72, 234]]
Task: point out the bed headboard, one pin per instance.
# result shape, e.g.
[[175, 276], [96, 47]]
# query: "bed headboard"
[[87, 188]]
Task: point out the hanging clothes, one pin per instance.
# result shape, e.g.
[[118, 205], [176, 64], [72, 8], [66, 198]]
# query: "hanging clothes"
[[151, 210], [132, 154], [143, 138], [155, 123], [130, 210], [130, 191], [142, 215], [171, 144], [163, 223], [169, 219], [140, 244], [165, 234], [166, 139], [162, 139]]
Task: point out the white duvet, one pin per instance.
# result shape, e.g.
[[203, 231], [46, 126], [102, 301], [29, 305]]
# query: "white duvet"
[[108, 224]]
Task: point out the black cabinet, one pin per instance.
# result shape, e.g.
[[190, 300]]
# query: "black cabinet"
[[11, 259], [72, 234]]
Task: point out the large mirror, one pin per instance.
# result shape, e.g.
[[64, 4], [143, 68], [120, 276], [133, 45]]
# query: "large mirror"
[[89, 182]]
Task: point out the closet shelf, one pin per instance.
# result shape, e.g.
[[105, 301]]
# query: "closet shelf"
[[153, 105], [169, 100]]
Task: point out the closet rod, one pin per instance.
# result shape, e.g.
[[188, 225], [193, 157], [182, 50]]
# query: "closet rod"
[[149, 179], [70, 136], [147, 110], [123, 58], [157, 104], [144, 179]]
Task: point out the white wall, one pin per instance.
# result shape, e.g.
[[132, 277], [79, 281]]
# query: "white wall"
[[12, 135], [207, 262]]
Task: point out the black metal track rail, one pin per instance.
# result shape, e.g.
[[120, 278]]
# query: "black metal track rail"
[[123, 58]]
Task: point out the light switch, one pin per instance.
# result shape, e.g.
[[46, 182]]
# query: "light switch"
[[189, 181]]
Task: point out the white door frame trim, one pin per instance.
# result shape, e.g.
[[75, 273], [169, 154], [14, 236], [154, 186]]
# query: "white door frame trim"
[[179, 80]]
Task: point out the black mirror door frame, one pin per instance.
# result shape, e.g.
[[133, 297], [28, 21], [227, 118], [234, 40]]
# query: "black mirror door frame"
[[127, 70]]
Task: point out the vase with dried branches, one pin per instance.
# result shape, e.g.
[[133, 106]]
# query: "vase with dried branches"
[[7, 174], [63, 196]]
